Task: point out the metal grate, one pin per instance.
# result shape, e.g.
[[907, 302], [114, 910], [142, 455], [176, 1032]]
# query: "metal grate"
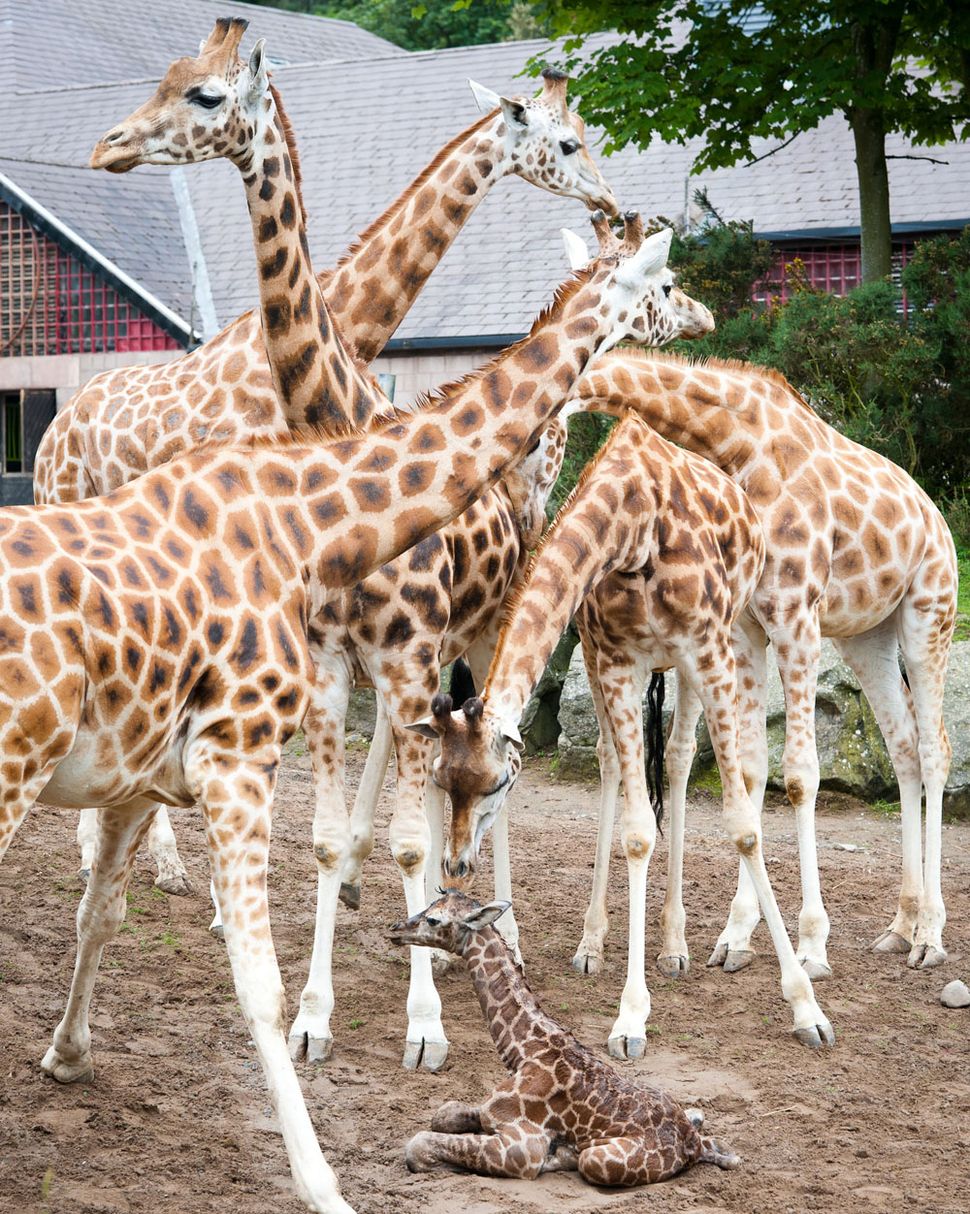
[[51, 304], [835, 267]]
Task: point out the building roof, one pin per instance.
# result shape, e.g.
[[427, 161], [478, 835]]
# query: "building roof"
[[365, 128], [62, 42]]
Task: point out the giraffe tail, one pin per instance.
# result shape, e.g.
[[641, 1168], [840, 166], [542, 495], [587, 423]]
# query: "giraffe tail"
[[655, 745]]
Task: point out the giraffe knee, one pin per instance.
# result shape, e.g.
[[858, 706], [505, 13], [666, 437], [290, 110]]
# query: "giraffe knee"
[[637, 846], [746, 842], [331, 848], [410, 857]]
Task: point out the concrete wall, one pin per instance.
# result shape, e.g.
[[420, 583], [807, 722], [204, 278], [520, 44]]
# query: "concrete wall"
[[65, 373]]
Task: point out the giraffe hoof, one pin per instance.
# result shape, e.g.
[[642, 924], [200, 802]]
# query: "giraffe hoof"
[[673, 965], [627, 1048], [350, 895], [815, 1035], [174, 883], [305, 1048], [926, 957], [428, 1055], [737, 959], [419, 1153], [217, 930], [587, 963], [84, 874], [890, 942], [67, 1072], [816, 970], [695, 1117]]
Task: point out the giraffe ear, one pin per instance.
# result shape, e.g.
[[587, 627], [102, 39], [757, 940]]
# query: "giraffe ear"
[[576, 252], [484, 916], [510, 732], [514, 112], [427, 727], [485, 98], [259, 77], [649, 259]]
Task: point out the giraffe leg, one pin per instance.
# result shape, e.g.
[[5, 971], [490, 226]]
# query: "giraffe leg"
[[216, 925], [237, 797], [365, 807], [674, 958], [479, 657], [455, 1117], [743, 826], [410, 836], [733, 950], [589, 955], [621, 686], [99, 915], [561, 1158], [310, 1036], [172, 876], [797, 651], [625, 1162], [434, 808], [925, 633], [87, 839], [873, 657], [518, 1151]]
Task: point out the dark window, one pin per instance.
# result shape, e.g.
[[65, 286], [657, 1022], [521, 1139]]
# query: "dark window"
[[24, 416]]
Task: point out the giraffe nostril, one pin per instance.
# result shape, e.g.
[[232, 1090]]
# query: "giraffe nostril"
[[114, 136]]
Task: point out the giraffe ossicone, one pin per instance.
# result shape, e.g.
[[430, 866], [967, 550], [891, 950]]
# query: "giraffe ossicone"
[[563, 1108]]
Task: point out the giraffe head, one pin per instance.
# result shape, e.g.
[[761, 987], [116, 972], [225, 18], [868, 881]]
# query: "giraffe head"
[[479, 763], [451, 923], [695, 320], [203, 109], [530, 483], [545, 142]]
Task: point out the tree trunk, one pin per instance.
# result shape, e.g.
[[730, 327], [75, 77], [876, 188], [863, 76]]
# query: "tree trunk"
[[869, 132]]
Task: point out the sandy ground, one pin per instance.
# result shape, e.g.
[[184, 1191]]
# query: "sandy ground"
[[176, 1120]]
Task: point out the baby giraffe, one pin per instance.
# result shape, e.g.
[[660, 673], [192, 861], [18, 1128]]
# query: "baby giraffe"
[[563, 1107]]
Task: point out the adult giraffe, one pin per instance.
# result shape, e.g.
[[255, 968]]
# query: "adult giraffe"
[[154, 640], [124, 422], [856, 551], [657, 552]]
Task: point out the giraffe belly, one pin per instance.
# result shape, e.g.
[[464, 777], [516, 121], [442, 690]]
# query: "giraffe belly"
[[87, 777]]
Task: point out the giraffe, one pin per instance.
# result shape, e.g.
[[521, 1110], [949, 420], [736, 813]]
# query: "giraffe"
[[666, 551], [124, 422], [153, 642], [857, 552], [563, 1107], [394, 631]]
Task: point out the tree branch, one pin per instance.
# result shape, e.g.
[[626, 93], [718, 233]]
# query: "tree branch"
[[929, 158], [749, 163]]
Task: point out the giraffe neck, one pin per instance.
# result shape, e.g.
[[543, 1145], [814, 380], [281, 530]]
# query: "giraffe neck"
[[382, 273], [592, 535], [374, 496], [512, 1013], [316, 379], [702, 407]]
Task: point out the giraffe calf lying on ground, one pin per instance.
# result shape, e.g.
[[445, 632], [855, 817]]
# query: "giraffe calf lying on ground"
[[563, 1107]]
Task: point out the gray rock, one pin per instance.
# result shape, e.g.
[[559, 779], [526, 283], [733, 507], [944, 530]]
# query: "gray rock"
[[852, 754], [955, 994]]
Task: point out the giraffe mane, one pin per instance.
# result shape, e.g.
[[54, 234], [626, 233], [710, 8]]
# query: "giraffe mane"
[[290, 137], [718, 364], [401, 202], [564, 293]]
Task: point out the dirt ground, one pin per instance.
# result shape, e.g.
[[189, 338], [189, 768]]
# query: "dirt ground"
[[176, 1120]]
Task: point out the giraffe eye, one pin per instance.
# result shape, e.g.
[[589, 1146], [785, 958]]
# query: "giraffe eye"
[[206, 100], [433, 922], [569, 146], [668, 287]]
